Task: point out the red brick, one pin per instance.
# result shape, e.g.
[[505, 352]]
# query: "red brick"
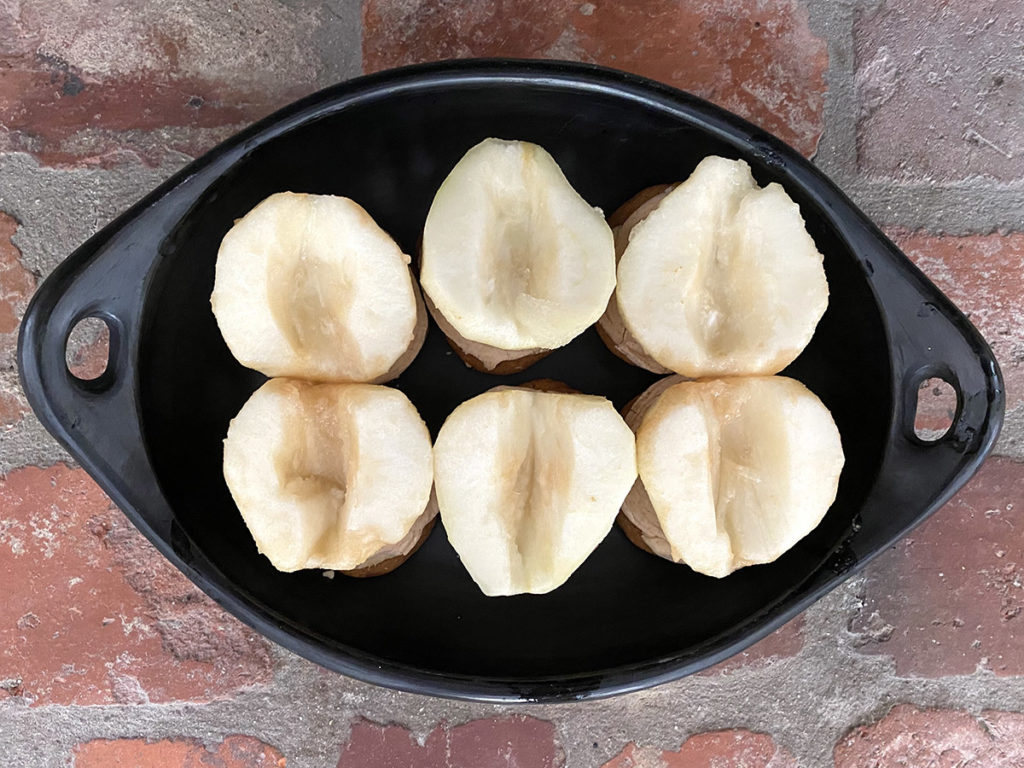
[[510, 742], [16, 287], [940, 89], [719, 749], [88, 348], [785, 642], [949, 598], [936, 408], [64, 126], [83, 82], [12, 405], [233, 752], [739, 55], [92, 614], [942, 738], [982, 274]]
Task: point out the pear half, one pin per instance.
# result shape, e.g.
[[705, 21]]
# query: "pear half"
[[611, 327], [529, 482], [732, 472], [514, 262], [334, 476], [308, 286], [716, 277]]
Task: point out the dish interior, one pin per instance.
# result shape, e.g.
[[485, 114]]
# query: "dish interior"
[[623, 608]]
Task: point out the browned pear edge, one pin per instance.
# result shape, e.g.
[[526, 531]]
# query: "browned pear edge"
[[633, 414], [387, 566], [419, 335], [633, 533], [484, 357], [611, 327], [548, 385]]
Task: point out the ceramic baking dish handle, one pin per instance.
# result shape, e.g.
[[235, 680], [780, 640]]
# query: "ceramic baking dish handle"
[[931, 338], [928, 338], [96, 420]]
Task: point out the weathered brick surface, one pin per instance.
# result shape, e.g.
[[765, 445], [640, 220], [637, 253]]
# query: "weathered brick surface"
[[232, 752], [984, 276], [740, 55], [88, 348], [92, 614], [940, 89], [84, 82], [942, 738], [949, 599], [16, 287], [720, 749], [936, 408], [510, 742], [785, 642]]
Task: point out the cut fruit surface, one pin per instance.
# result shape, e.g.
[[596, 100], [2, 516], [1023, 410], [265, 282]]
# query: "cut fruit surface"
[[719, 277], [484, 357], [308, 286], [333, 476], [732, 472], [611, 327], [529, 482], [513, 257]]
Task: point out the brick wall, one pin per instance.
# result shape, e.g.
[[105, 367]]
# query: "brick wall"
[[109, 657]]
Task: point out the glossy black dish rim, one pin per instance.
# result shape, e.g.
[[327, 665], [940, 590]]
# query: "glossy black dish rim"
[[41, 389]]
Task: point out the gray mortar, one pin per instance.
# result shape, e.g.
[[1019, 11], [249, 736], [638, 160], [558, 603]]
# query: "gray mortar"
[[837, 148], [1011, 439], [338, 43], [968, 206], [806, 703], [57, 210]]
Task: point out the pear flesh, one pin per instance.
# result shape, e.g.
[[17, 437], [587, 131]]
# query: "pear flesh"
[[529, 483], [732, 472], [309, 287], [721, 277], [334, 476], [513, 258]]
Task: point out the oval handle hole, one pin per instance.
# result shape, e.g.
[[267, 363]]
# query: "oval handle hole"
[[87, 350], [936, 409]]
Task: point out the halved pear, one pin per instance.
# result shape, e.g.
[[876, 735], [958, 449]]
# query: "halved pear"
[[732, 472], [717, 277], [334, 476], [611, 327], [308, 286], [529, 482], [514, 260]]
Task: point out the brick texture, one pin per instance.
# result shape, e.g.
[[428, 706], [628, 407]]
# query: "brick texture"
[[232, 752], [720, 749], [940, 89], [92, 614], [785, 642], [510, 742], [739, 55], [98, 633], [908, 736], [88, 348], [16, 287], [949, 599], [984, 276], [83, 83]]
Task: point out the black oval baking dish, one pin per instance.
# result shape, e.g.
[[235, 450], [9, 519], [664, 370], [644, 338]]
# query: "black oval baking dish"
[[149, 430]]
